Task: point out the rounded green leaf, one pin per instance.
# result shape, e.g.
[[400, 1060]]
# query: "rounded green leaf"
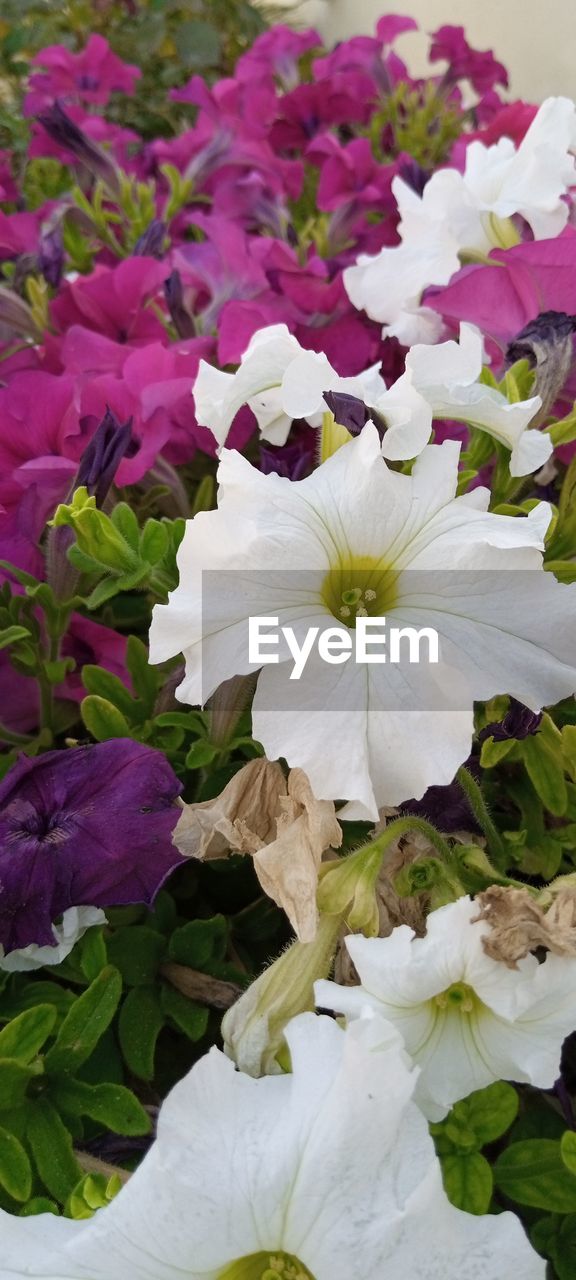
[[137, 952], [488, 1112], [139, 1025], [534, 1173], [24, 1036], [468, 1181], [568, 1150], [103, 720], [111, 1105], [189, 1017]]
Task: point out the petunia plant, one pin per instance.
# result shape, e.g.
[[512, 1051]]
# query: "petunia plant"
[[287, 663]]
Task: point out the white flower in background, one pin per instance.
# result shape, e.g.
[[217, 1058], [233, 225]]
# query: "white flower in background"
[[356, 539], [467, 214], [322, 1174], [279, 380], [445, 378], [466, 1019], [73, 925]]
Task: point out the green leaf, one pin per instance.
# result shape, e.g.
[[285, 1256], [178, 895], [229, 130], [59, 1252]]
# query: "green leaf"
[[137, 952], [154, 542], [546, 772], [39, 1204], [124, 519], [192, 721], [94, 1192], [98, 681], [564, 1250], [488, 1112], [199, 44], [51, 1146], [10, 635], [563, 431], [103, 720], [568, 1150], [110, 587], [468, 1181], [35, 993], [144, 677], [191, 1018], [491, 752], [139, 1025], [199, 942], [14, 1080], [534, 1173], [200, 754], [15, 1171], [563, 570], [92, 953], [112, 1105], [24, 1036], [87, 1020]]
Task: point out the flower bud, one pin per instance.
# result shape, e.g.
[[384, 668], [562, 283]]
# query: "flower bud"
[[66, 133], [348, 889], [253, 1029]]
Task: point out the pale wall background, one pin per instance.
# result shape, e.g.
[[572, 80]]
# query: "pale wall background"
[[535, 39]]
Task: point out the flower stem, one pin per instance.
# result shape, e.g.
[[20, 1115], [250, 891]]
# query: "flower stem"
[[401, 827], [480, 810], [15, 739]]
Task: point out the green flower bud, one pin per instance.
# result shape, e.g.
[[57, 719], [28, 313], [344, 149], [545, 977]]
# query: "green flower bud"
[[253, 1029]]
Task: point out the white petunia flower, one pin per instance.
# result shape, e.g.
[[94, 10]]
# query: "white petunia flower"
[[279, 380], [352, 540], [73, 925], [467, 214], [322, 1174], [444, 379], [466, 1019]]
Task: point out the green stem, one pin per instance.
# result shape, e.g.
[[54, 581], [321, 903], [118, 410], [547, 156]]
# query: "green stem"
[[15, 739], [480, 810], [401, 827]]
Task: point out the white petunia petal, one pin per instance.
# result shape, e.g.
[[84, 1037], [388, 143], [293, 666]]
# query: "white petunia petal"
[[466, 1019], [243, 1167]]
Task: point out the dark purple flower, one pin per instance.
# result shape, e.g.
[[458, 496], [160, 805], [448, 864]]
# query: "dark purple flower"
[[413, 174], [89, 826], [447, 807], [65, 132], [352, 413], [51, 256], [151, 242], [348, 410], [102, 457], [181, 319], [293, 460], [519, 722], [547, 343]]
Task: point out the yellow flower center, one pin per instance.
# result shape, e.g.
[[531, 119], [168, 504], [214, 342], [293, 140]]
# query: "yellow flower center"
[[362, 586], [459, 997], [267, 1266]]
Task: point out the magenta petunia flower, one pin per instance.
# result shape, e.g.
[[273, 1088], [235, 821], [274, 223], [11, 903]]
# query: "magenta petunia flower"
[[89, 826], [90, 76], [481, 68]]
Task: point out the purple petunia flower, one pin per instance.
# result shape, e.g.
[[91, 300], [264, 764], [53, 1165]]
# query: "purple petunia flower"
[[91, 825]]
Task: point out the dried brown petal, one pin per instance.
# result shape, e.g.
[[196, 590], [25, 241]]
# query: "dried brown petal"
[[241, 819], [519, 925], [288, 867], [281, 825]]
